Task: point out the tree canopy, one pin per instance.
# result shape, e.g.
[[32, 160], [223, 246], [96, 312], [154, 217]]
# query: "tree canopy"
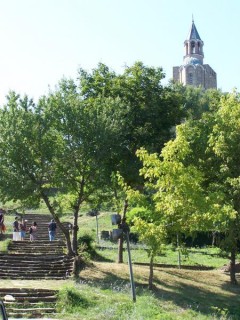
[[195, 181], [65, 147]]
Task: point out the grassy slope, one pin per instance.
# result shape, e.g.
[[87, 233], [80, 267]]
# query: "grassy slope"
[[179, 294], [103, 289]]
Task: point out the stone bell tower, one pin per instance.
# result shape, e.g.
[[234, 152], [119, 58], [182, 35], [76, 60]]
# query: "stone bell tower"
[[193, 71]]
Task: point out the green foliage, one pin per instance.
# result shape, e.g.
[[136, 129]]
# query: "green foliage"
[[195, 182], [70, 300], [91, 300], [86, 247], [196, 100], [144, 113], [4, 245]]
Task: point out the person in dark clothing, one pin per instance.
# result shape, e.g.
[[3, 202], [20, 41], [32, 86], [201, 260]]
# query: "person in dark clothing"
[[16, 234], [1, 221], [52, 230]]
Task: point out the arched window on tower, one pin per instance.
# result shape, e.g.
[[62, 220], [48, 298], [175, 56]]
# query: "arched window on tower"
[[190, 74], [190, 78], [193, 48], [199, 48]]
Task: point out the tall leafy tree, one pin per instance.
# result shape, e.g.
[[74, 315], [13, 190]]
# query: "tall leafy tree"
[[197, 176], [88, 132], [53, 150], [29, 147], [149, 114], [196, 100], [149, 111]]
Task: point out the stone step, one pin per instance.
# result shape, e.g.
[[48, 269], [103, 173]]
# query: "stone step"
[[35, 273], [32, 310], [29, 299], [24, 256], [9, 267], [26, 269], [37, 310], [39, 242], [26, 291], [32, 264], [27, 315], [35, 304], [35, 265], [30, 303], [37, 252], [33, 277]]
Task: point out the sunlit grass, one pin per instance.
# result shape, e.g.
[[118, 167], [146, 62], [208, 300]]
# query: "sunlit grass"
[[103, 291]]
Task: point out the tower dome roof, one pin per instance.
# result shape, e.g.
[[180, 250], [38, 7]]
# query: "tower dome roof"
[[193, 33], [191, 60]]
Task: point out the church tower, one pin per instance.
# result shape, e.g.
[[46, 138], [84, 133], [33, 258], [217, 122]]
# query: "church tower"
[[193, 71]]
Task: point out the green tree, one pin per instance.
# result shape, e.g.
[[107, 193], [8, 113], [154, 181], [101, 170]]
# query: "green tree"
[[197, 176], [29, 147], [171, 202], [89, 133], [148, 115], [196, 100], [53, 151], [149, 111]]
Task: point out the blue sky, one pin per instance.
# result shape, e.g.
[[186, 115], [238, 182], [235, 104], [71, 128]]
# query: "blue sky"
[[43, 40]]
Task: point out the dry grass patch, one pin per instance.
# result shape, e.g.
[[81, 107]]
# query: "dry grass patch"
[[203, 291]]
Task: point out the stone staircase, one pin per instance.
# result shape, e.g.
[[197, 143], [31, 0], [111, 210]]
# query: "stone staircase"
[[42, 226], [34, 266], [40, 259], [37, 247], [29, 303]]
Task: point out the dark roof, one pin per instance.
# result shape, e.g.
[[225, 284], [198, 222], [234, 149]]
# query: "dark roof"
[[193, 34]]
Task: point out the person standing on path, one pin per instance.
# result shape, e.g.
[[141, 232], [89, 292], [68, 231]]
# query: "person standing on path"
[[1, 221], [23, 229], [16, 234], [52, 230], [33, 231]]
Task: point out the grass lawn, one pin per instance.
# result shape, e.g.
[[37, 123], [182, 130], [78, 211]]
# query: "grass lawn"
[[103, 289], [103, 292]]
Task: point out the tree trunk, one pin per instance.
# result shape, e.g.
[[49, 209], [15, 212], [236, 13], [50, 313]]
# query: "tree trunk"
[[120, 241], [120, 250], [76, 266], [59, 224], [66, 234], [75, 233], [150, 279], [232, 267]]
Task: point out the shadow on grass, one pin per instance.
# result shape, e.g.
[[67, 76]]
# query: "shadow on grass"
[[95, 256], [193, 296], [165, 265], [206, 253]]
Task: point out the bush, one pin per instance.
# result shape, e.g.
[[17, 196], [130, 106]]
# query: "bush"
[[86, 248], [70, 300]]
